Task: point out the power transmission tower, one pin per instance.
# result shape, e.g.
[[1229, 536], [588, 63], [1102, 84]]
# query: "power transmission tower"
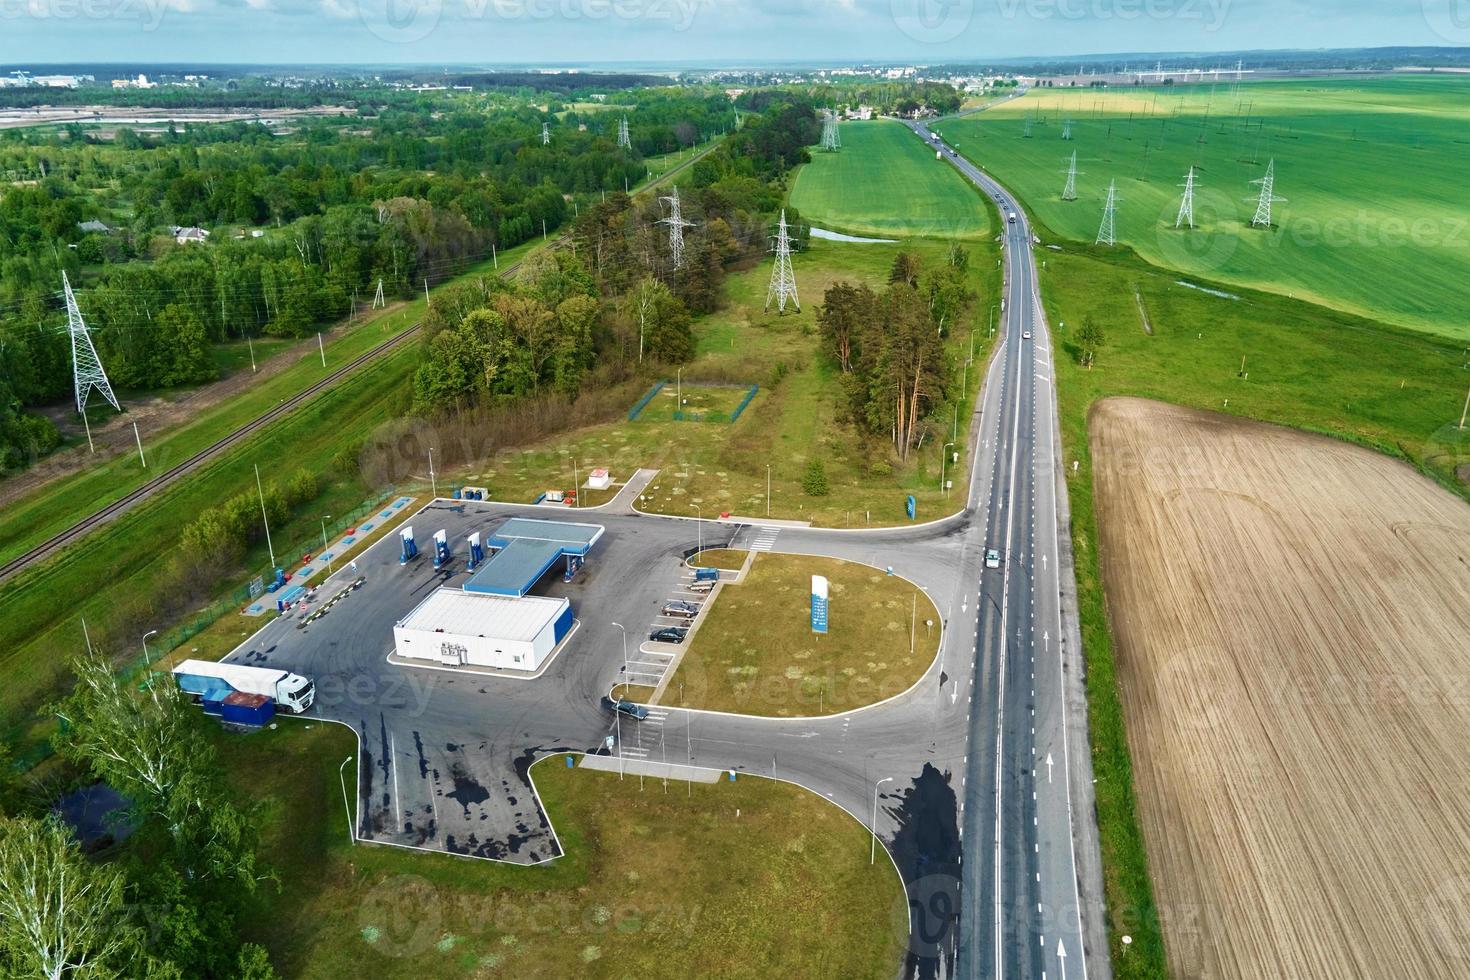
[[1267, 198], [1069, 193], [1026, 131], [623, 140], [1106, 233], [783, 280], [676, 224], [378, 301], [87, 370], [546, 134], [1186, 203], [830, 140], [1066, 129]]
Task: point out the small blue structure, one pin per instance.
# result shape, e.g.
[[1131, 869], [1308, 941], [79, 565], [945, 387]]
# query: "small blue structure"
[[912, 506], [706, 575], [441, 548], [408, 550], [477, 552], [819, 604]]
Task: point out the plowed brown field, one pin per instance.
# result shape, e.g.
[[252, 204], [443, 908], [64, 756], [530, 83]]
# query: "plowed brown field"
[[1292, 623]]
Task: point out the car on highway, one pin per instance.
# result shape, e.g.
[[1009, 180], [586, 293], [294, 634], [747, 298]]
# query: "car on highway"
[[1025, 334], [992, 558], [669, 634], [623, 707], [687, 610]]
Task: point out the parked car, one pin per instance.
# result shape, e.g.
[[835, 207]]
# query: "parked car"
[[668, 634], [688, 610], [992, 558], [623, 707]]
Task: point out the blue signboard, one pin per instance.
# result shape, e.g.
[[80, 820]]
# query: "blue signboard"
[[912, 506], [819, 604]]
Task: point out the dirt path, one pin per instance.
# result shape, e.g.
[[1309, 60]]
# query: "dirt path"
[[155, 417], [1292, 617]]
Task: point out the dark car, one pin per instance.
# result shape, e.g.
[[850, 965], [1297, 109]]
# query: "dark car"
[[668, 634], [628, 708]]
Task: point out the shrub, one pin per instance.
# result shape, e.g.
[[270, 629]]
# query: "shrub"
[[814, 484]]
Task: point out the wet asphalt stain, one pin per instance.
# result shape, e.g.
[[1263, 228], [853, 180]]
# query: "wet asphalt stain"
[[926, 847], [365, 786], [467, 790], [384, 762], [418, 746]]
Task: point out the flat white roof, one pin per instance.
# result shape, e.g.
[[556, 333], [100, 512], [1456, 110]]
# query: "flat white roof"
[[472, 614]]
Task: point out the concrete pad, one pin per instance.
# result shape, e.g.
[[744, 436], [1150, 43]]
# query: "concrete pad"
[[656, 770]]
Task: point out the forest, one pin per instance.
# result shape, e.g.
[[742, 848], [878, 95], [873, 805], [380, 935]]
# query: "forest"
[[300, 226]]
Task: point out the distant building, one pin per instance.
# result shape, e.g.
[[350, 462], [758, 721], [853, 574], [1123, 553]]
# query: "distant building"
[[186, 236], [94, 227]]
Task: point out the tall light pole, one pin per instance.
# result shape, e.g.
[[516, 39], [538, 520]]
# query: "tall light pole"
[[327, 554], [943, 459], [146, 658], [873, 850], [992, 321], [351, 837], [433, 483], [768, 489], [699, 537], [263, 519], [625, 654]]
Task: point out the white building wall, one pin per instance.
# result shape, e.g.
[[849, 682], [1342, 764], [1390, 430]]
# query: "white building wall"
[[454, 649]]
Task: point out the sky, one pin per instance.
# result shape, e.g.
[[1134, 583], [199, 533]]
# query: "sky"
[[466, 32]]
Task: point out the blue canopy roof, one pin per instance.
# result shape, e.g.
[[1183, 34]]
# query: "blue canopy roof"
[[526, 550]]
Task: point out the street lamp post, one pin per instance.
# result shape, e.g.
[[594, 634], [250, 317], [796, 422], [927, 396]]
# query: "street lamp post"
[[433, 483], [992, 321], [873, 850], [351, 837], [699, 537], [146, 658], [327, 554], [625, 653], [768, 489]]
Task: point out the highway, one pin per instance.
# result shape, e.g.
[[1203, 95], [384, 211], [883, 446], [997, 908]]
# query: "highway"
[[977, 780]]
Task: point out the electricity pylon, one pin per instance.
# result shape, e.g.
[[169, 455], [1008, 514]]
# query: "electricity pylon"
[[783, 280], [1026, 130], [676, 224], [1066, 129], [1106, 232], [1186, 203], [546, 134], [87, 370], [830, 140], [1069, 193], [378, 301], [1267, 198], [623, 140]]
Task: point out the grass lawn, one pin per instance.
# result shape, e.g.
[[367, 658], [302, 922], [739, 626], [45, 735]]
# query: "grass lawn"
[[885, 182], [653, 883], [1374, 221], [755, 653], [1394, 390], [720, 558]]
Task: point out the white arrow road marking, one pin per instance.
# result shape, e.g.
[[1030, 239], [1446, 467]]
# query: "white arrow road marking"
[[1062, 958], [1043, 563], [1046, 639], [1048, 767]]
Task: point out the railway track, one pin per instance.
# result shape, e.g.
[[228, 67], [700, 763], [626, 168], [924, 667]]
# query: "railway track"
[[123, 504]]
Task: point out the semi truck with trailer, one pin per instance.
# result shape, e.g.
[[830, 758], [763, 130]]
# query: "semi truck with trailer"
[[210, 683]]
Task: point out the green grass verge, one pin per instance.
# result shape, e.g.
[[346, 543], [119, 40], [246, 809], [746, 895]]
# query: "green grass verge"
[[720, 558], [748, 879], [1394, 390], [1374, 219], [755, 652], [884, 182]]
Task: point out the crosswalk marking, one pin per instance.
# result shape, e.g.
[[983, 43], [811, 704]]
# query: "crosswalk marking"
[[765, 539]]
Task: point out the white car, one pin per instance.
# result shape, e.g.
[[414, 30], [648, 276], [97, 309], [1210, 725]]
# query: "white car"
[[992, 558], [1025, 334]]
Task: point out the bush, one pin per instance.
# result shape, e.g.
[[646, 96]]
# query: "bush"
[[814, 484], [301, 488]]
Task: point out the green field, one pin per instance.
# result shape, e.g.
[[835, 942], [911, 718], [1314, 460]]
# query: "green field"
[[1375, 218], [748, 879], [755, 652], [884, 182]]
